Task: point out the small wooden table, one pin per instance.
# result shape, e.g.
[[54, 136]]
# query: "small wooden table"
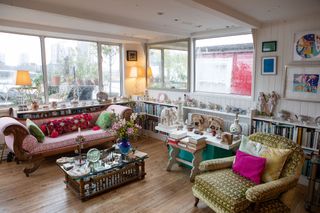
[[197, 158]]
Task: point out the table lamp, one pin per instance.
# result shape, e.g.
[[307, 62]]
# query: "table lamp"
[[23, 79]]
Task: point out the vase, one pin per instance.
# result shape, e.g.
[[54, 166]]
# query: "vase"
[[235, 128], [124, 146]]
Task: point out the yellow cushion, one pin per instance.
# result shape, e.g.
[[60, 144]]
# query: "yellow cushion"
[[276, 159]]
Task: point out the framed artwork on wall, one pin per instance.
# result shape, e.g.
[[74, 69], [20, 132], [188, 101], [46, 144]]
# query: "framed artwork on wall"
[[306, 46], [269, 46], [269, 65], [302, 83], [132, 55]]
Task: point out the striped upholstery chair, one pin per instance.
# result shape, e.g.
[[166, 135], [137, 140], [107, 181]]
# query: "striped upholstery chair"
[[224, 191]]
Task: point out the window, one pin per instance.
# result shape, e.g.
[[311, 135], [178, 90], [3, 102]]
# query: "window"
[[111, 74], [224, 65], [19, 52], [169, 65], [72, 68]]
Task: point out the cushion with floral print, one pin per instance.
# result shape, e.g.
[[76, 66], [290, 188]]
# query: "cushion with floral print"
[[66, 125]]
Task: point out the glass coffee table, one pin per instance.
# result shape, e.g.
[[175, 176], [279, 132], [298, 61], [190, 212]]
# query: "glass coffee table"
[[110, 170]]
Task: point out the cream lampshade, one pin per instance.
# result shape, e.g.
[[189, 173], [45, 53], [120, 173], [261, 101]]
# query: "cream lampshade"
[[149, 72], [23, 78], [133, 72]]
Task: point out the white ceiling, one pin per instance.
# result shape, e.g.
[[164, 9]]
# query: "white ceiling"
[[139, 19]]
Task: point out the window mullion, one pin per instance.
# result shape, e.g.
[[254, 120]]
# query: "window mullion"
[[162, 68], [100, 66], [44, 69]]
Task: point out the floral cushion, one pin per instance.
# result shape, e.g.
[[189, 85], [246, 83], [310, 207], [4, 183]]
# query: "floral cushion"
[[224, 188], [54, 128]]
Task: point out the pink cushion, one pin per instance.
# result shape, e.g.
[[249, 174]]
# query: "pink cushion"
[[249, 166]]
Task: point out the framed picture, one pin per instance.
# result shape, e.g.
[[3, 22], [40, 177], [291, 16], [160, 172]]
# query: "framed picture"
[[306, 46], [132, 55], [269, 46], [269, 65], [302, 83]]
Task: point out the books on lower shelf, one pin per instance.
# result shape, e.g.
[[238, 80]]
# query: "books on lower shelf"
[[306, 137]]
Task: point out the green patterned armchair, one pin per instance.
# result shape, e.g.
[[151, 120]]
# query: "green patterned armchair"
[[226, 192]]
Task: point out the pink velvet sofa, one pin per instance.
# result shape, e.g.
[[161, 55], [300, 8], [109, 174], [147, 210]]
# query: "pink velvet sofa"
[[27, 149]]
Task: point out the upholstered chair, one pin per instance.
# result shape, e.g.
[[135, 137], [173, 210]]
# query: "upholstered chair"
[[224, 191]]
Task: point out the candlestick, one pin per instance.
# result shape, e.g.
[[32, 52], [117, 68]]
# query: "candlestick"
[[79, 130]]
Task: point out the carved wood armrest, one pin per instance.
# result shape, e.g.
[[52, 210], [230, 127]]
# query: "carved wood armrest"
[[19, 133]]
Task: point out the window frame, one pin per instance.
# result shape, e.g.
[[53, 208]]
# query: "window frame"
[[245, 97], [189, 57], [99, 59], [100, 71]]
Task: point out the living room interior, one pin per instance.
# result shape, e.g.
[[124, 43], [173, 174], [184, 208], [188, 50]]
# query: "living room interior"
[[159, 106]]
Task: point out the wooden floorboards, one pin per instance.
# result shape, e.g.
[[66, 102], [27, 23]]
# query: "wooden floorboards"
[[160, 191]]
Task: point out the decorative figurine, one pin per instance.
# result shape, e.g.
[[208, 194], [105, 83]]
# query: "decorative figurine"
[[236, 128], [168, 116], [272, 102]]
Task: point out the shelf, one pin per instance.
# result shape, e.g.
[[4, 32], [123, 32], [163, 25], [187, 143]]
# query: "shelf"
[[158, 103], [216, 112], [144, 113], [58, 109], [308, 148], [292, 123]]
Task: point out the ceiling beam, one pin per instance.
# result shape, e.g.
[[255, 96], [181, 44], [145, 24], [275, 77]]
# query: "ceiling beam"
[[32, 28], [103, 18], [230, 13]]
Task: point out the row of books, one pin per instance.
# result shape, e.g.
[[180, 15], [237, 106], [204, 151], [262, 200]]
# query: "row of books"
[[274, 128], [306, 169], [306, 137], [149, 125], [58, 112], [151, 109]]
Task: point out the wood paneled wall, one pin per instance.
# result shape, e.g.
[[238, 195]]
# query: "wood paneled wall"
[[283, 33]]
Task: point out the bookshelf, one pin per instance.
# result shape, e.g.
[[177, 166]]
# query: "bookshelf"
[[306, 135], [57, 112], [151, 112]]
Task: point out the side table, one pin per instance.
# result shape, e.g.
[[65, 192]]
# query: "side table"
[[197, 158], [312, 202]]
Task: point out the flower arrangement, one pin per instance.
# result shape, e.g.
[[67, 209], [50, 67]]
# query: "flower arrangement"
[[126, 129]]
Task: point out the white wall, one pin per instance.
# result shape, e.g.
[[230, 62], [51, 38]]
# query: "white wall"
[[283, 33], [134, 86]]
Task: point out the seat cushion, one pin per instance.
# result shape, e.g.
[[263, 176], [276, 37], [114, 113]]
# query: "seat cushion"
[[224, 189], [66, 140]]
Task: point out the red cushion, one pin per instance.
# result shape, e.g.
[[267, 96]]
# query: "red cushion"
[[249, 166], [66, 125]]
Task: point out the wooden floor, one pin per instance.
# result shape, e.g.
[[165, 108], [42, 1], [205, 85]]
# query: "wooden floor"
[[160, 191]]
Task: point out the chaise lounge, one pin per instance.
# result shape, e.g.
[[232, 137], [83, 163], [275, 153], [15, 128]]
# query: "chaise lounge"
[[27, 148]]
